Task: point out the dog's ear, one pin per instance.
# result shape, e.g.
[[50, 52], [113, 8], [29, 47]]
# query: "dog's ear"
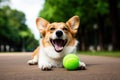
[[41, 24], [74, 23]]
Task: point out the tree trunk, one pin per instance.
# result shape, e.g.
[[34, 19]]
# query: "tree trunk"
[[83, 39], [100, 31], [114, 20], [83, 43]]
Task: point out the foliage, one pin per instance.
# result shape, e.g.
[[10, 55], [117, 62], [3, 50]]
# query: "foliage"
[[62, 10], [14, 31]]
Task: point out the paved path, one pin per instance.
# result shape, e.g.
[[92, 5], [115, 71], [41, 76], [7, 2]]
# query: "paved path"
[[14, 67]]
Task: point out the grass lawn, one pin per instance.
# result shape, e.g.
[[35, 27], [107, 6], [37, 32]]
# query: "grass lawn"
[[102, 53]]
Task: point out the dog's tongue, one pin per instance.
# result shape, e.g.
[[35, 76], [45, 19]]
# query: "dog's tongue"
[[58, 48], [58, 44]]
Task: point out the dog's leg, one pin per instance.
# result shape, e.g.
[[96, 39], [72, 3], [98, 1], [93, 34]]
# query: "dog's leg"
[[44, 63], [45, 66], [82, 66], [34, 59]]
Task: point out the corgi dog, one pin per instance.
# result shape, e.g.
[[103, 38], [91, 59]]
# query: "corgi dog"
[[58, 39]]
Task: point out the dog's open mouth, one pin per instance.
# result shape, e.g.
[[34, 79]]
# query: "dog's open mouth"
[[58, 44]]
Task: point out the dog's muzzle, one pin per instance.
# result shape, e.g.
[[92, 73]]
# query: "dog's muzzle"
[[58, 42]]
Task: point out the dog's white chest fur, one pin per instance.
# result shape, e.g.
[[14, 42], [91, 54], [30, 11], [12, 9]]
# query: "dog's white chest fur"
[[49, 58]]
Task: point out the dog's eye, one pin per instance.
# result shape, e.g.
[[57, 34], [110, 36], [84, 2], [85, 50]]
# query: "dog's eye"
[[52, 29], [65, 29]]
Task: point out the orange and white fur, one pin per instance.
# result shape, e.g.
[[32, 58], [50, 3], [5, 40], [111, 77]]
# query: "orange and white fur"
[[58, 39]]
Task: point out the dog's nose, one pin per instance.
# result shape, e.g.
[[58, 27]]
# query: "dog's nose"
[[59, 33]]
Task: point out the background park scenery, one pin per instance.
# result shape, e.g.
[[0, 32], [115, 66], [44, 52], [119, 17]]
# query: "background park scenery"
[[99, 24]]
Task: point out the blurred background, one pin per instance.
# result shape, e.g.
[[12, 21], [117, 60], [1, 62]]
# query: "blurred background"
[[99, 28]]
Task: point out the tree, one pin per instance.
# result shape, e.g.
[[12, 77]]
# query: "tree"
[[114, 15], [14, 31]]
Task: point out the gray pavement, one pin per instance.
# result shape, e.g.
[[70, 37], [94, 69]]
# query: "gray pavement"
[[14, 67]]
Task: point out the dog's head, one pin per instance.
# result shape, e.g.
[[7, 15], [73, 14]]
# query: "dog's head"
[[58, 34]]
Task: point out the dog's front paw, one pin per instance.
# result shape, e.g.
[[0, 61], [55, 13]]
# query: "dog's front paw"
[[82, 66], [32, 62], [45, 66]]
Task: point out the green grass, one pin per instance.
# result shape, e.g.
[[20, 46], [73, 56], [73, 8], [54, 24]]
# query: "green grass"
[[102, 53]]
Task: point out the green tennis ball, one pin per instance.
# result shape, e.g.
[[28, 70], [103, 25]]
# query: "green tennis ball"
[[71, 62]]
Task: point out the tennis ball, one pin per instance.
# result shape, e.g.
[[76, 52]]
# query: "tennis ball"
[[71, 62]]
